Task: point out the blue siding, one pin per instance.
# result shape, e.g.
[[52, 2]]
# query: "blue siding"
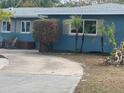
[[67, 43], [91, 43], [20, 37], [26, 37]]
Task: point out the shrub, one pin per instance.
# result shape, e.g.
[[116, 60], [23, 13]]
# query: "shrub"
[[46, 32], [110, 34], [117, 56]]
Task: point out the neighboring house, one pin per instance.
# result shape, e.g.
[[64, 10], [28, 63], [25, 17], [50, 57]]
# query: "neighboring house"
[[93, 16]]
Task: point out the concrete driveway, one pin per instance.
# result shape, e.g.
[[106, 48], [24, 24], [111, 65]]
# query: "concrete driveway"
[[31, 72]]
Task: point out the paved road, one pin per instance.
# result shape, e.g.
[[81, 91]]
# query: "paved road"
[[30, 72]]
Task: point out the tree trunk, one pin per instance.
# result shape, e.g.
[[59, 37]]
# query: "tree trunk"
[[82, 43], [43, 48], [50, 47], [43, 45], [76, 40], [102, 43]]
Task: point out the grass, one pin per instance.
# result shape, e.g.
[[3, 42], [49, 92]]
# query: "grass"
[[98, 78]]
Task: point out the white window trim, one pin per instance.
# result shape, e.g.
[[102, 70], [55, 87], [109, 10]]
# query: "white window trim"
[[25, 26], [5, 31], [96, 27], [70, 33], [80, 34]]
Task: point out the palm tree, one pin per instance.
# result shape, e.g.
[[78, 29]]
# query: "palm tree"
[[110, 33], [102, 29], [76, 23]]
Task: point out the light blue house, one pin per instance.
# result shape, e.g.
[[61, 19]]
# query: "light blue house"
[[92, 17]]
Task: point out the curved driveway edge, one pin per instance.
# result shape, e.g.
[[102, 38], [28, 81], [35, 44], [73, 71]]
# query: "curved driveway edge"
[[3, 62], [31, 72]]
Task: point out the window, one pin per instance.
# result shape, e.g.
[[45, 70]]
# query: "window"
[[26, 27], [89, 27], [80, 30], [6, 26]]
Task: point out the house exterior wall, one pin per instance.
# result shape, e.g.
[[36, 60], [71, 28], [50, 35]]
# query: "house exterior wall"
[[22, 38], [16, 30], [118, 20], [91, 43], [26, 37], [66, 42]]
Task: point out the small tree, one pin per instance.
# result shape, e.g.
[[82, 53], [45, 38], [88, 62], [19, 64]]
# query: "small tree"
[[111, 36], [109, 32], [46, 33], [117, 56], [76, 23], [5, 15], [102, 30]]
